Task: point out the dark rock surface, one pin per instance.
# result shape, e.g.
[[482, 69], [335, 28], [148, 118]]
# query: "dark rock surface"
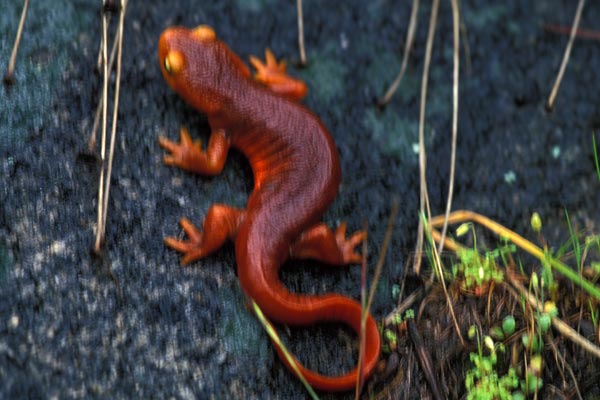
[[135, 324]]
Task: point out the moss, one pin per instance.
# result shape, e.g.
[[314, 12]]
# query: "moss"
[[326, 76], [482, 17], [396, 135], [5, 262], [255, 5]]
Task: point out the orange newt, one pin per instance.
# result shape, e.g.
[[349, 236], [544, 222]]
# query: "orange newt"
[[296, 176]]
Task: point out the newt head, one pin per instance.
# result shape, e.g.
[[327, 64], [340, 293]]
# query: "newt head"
[[193, 62]]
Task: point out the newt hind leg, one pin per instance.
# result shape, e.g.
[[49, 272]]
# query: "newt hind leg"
[[221, 223], [320, 243]]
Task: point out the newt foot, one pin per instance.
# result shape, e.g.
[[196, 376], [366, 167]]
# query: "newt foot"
[[192, 248], [347, 245], [273, 75], [182, 152]]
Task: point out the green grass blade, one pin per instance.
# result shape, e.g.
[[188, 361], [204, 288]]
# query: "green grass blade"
[[574, 241], [277, 341]]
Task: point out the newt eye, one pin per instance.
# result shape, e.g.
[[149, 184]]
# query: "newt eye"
[[174, 62], [167, 65]]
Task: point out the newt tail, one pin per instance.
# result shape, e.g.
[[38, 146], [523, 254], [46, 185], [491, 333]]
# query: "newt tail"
[[296, 176]]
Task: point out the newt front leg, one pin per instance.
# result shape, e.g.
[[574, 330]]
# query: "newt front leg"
[[188, 154], [272, 74]]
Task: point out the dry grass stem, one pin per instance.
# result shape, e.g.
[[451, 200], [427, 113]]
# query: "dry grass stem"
[[9, 75], [456, 28], [301, 33], [410, 36], [423, 199], [566, 366], [566, 56], [440, 273], [104, 182], [99, 221], [94, 130]]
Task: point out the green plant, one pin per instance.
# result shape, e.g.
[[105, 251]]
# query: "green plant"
[[593, 314], [533, 382], [574, 240], [482, 381], [391, 334], [533, 340], [505, 330], [391, 341], [503, 251], [477, 271]]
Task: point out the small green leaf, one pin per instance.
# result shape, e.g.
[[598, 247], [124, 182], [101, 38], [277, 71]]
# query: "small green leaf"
[[489, 342], [463, 229], [497, 333], [536, 222], [390, 336], [544, 322], [518, 395], [508, 325], [535, 365], [472, 332], [532, 384], [534, 280]]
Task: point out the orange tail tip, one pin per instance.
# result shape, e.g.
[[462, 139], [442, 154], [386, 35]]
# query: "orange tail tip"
[[347, 381]]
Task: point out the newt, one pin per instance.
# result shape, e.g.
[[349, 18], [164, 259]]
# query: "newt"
[[296, 172]]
